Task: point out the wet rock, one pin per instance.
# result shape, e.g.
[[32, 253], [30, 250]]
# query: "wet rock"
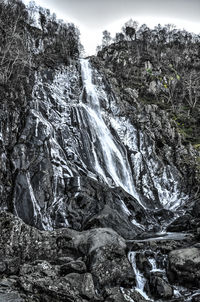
[[181, 224], [55, 180], [51, 263], [117, 294], [159, 287], [143, 263], [184, 267], [196, 209], [196, 298], [163, 214], [114, 217]]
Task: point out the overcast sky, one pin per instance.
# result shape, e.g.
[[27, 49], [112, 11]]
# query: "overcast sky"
[[94, 16]]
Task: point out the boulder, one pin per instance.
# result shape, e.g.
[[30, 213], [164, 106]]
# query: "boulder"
[[43, 280], [107, 259], [117, 294], [9, 266], [184, 267], [160, 288], [63, 265], [10, 297]]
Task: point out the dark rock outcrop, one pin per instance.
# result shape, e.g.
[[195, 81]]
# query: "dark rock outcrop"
[[184, 223], [184, 267], [160, 288], [62, 265], [123, 295]]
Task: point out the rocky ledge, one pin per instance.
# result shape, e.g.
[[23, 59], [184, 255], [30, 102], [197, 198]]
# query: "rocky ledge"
[[184, 265], [62, 265], [67, 265]]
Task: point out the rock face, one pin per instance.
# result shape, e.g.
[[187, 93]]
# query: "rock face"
[[77, 145], [88, 172], [184, 223], [62, 265], [184, 267], [137, 75]]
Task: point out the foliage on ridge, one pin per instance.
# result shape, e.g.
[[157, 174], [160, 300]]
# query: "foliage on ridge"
[[163, 66]]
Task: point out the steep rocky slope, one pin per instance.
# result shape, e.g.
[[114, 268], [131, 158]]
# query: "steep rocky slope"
[[92, 179], [138, 76]]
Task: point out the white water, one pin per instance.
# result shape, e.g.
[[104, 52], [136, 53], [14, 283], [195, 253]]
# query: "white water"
[[106, 151], [164, 236], [86, 143], [128, 213], [154, 266], [140, 279], [147, 170], [178, 291]]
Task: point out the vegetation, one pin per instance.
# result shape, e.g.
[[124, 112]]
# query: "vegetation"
[[163, 65], [30, 35]]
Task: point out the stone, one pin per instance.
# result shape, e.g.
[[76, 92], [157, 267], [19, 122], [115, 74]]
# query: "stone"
[[196, 208], [88, 288], [2, 267], [10, 266], [143, 263], [10, 297], [77, 266], [160, 288], [108, 261], [196, 298], [181, 224], [117, 294], [104, 251], [184, 267]]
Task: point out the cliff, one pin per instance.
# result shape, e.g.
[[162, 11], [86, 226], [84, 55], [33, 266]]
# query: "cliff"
[[99, 182]]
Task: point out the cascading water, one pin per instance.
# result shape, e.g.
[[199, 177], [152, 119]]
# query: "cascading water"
[[148, 179], [108, 156], [81, 131], [157, 260], [140, 279]]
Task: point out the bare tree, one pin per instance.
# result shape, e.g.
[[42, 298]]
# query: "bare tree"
[[106, 39], [192, 88]]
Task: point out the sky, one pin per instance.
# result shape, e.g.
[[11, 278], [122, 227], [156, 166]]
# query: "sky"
[[94, 16]]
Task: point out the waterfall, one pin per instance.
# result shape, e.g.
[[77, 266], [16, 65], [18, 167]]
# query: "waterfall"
[[109, 158], [140, 279], [159, 185], [81, 130]]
